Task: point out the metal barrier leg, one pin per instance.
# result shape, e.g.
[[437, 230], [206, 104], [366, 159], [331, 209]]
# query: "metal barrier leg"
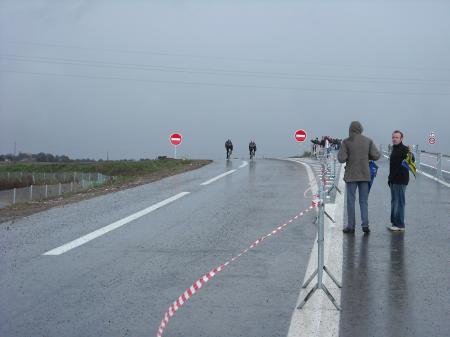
[[320, 251], [332, 299], [308, 281], [332, 277], [313, 290], [329, 217]]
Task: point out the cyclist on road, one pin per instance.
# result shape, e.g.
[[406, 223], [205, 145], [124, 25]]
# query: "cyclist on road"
[[252, 149], [229, 148]]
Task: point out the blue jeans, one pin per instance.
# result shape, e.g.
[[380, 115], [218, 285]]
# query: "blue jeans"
[[363, 189], [398, 205]]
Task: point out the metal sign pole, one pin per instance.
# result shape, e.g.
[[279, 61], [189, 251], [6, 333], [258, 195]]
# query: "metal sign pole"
[[320, 252], [175, 151]]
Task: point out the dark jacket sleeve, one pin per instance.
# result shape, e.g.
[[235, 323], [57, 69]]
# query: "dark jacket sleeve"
[[374, 154], [343, 153]]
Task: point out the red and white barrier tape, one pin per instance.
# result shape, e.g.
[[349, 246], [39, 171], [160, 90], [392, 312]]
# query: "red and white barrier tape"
[[195, 287]]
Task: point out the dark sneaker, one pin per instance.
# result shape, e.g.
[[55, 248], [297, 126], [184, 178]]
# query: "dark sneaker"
[[348, 231], [366, 230]]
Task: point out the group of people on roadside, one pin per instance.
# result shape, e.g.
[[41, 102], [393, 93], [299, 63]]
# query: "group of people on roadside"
[[326, 142], [356, 152]]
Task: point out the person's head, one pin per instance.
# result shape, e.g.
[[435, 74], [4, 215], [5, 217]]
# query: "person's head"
[[397, 137], [355, 128]]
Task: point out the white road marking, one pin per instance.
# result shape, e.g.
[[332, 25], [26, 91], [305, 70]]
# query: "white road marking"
[[312, 180], [99, 232], [217, 178], [244, 164], [319, 318]]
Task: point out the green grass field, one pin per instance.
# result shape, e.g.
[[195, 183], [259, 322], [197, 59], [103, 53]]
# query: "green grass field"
[[110, 168], [122, 171]]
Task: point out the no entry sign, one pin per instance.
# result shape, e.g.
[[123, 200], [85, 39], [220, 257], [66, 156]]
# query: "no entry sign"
[[176, 139], [300, 135]]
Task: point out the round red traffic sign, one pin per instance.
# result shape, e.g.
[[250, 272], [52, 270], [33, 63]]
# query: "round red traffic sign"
[[300, 135], [432, 140], [176, 139]]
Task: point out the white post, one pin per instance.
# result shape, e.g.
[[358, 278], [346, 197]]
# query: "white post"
[[439, 166], [31, 192], [14, 195], [46, 191], [71, 186], [59, 189], [418, 160]]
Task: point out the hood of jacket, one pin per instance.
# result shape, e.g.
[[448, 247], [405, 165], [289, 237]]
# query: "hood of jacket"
[[355, 128]]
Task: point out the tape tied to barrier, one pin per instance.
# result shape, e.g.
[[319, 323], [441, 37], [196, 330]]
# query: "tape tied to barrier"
[[197, 285]]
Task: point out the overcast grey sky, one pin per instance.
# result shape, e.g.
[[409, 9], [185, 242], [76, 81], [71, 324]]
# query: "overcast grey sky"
[[84, 77]]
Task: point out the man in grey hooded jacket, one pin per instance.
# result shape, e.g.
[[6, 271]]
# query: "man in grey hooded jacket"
[[355, 152]]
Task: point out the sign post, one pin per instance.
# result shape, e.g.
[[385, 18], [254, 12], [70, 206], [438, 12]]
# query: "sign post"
[[175, 139], [300, 135]]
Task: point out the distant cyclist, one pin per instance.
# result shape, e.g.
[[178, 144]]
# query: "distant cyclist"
[[229, 148], [252, 149]]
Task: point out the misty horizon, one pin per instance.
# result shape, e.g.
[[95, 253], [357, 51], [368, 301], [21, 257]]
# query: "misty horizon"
[[89, 77]]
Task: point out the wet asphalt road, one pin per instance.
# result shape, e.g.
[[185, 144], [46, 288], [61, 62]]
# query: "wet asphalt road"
[[399, 284], [121, 283]]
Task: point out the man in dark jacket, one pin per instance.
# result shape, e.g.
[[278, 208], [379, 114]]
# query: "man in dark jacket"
[[397, 181], [355, 152]]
